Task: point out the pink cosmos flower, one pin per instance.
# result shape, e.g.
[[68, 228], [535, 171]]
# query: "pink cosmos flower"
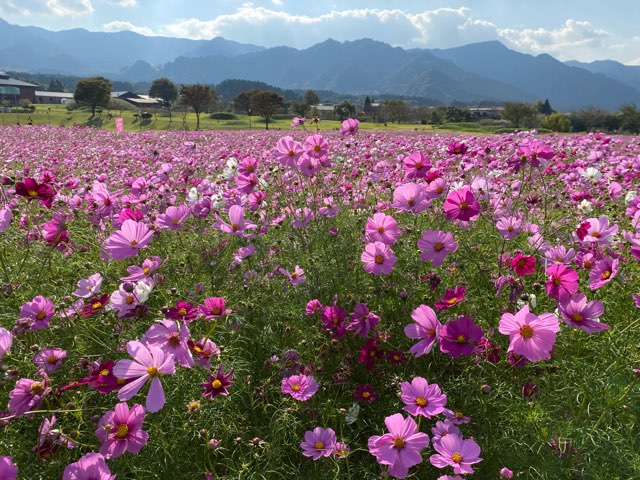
[[382, 228], [459, 337], [237, 226], [461, 205], [421, 398], [297, 121], [319, 442], [88, 287], [442, 429], [300, 387], [576, 312], [315, 146], [50, 359], [171, 337], [40, 311], [599, 231], [523, 265], [184, 311], [91, 466], [400, 448], [636, 299], [148, 363], [410, 198], [362, 320], [455, 417], [457, 148], [561, 281], [560, 254], [349, 127], [451, 298], [120, 430], [457, 452], [603, 272], [530, 335], [6, 339], [378, 258], [127, 241], [506, 473], [28, 394], [203, 351], [32, 190], [426, 328], [509, 227], [416, 165], [296, 277], [435, 245], [5, 220], [8, 469], [214, 307], [173, 218], [313, 306], [287, 152], [149, 266]]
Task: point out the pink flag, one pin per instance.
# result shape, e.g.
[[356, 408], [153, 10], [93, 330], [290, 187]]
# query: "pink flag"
[[119, 124]]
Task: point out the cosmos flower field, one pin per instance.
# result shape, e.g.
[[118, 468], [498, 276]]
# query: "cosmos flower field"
[[302, 304]]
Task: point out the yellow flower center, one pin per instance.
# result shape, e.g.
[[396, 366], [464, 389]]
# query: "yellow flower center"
[[380, 229], [175, 222], [146, 270], [577, 317], [398, 442], [461, 338], [41, 315], [122, 431], [452, 300], [526, 331], [134, 242], [234, 227], [129, 300], [456, 457], [295, 387], [595, 234], [411, 202], [510, 228], [121, 381], [366, 394], [379, 259], [458, 415], [37, 388], [606, 275], [291, 153], [438, 246], [104, 372], [431, 331], [319, 445], [421, 401], [96, 305], [216, 384], [197, 349], [463, 205], [317, 148], [557, 281], [152, 371], [216, 311], [52, 359]]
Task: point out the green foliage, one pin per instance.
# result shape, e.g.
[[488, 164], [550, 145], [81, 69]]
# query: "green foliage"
[[557, 122], [395, 111], [199, 97], [521, 115], [311, 98], [93, 92], [223, 116], [55, 85], [266, 103], [165, 89], [630, 118], [589, 119], [344, 110]]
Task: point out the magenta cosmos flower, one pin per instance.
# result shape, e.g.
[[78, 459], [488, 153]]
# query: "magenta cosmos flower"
[[382, 228], [378, 258], [88, 287], [576, 312], [362, 320], [523, 265], [459, 337], [461, 205], [127, 241], [171, 337], [40, 311], [349, 127], [50, 359], [421, 398], [184, 311], [452, 297], [287, 151], [319, 442], [28, 394], [237, 226], [602, 273], [426, 328], [457, 148], [92, 466], [530, 335], [173, 218], [410, 198], [509, 227], [148, 268], [416, 165], [296, 277], [213, 307], [8, 469], [149, 362], [300, 387], [561, 281], [457, 452], [120, 430], [315, 146], [32, 190], [435, 245], [400, 448], [217, 384]]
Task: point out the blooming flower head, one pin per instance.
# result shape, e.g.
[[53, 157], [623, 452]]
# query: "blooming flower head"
[[442, 429], [599, 231], [237, 225], [416, 165], [530, 335], [217, 384], [50, 359], [8, 469], [95, 305], [120, 430], [435, 245], [149, 362], [127, 241], [576, 312], [40, 311], [560, 254], [148, 268], [362, 320], [333, 320], [452, 297], [203, 351], [461, 205], [172, 338], [28, 394], [5, 220], [213, 307], [457, 452], [92, 466], [509, 227], [426, 328], [315, 146], [603, 272], [173, 218], [319, 442], [313, 306], [32, 190], [455, 417], [297, 121], [459, 337], [561, 281], [296, 277], [300, 387], [88, 287], [410, 198], [349, 127], [400, 447], [6, 339], [523, 265], [382, 228], [378, 258], [369, 353], [421, 398], [341, 450], [457, 148], [365, 393], [184, 311], [287, 151]]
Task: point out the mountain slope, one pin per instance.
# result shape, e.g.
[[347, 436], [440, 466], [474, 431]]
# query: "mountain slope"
[[627, 74]]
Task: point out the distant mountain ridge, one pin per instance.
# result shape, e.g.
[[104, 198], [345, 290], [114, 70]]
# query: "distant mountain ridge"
[[480, 72]]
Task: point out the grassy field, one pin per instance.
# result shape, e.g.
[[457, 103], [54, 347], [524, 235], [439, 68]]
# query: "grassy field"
[[60, 116]]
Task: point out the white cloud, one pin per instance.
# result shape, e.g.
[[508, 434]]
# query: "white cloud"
[[119, 26], [70, 8], [277, 3], [123, 3]]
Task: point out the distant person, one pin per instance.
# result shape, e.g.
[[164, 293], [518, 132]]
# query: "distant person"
[[29, 121]]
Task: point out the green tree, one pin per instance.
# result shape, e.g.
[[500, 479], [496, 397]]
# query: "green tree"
[[166, 90], [299, 108], [266, 103], [456, 115], [242, 102], [557, 122], [520, 115], [311, 98], [545, 107], [55, 85], [199, 97], [344, 110], [367, 107], [630, 118], [396, 110], [93, 92]]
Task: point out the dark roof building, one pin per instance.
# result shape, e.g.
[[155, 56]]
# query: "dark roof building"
[[13, 89]]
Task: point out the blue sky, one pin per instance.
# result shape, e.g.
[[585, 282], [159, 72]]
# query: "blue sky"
[[584, 30]]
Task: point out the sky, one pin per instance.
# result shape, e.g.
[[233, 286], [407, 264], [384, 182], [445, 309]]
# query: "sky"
[[584, 30]]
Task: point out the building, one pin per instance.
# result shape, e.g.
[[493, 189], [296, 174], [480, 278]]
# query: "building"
[[140, 101], [479, 113], [53, 97], [12, 89]]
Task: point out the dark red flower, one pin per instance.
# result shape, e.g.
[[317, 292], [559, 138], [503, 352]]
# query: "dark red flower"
[[95, 305], [32, 190], [183, 311]]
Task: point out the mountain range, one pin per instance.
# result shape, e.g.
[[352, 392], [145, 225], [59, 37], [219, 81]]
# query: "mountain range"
[[480, 72]]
